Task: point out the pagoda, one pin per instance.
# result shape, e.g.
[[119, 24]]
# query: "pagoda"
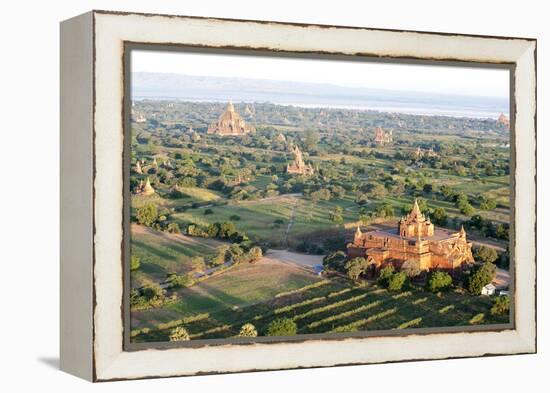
[[230, 123], [298, 166], [414, 239], [145, 189], [382, 137]]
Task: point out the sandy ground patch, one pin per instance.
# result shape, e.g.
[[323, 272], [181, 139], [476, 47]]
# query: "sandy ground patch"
[[294, 258]]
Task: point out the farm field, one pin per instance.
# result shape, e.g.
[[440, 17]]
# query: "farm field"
[[330, 305], [162, 253]]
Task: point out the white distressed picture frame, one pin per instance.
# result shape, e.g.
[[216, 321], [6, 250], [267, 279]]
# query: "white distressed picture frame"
[[92, 141]]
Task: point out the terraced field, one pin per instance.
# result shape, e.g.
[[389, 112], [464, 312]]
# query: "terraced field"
[[332, 305]]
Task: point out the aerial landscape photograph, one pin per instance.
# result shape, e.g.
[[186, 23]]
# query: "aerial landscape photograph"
[[284, 196]]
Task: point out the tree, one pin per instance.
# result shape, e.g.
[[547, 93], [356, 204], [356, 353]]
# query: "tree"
[[179, 334], [320, 195], [385, 210], [479, 277], [488, 204], [428, 188], [335, 260], [336, 215], [248, 330], [221, 255], [411, 268], [255, 254], [385, 274], [440, 216], [134, 263], [486, 254], [397, 281], [501, 306], [147, 214], [355, 267], [173, 227], [438, 281], [282, 327]]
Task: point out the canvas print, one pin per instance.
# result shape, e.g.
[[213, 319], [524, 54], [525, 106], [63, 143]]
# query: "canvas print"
[[281, 196]]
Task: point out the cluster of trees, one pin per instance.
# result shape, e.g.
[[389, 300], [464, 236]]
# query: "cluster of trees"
[[488, 228], [224, 230], [277, 327], [393, 280], [149, 295], [149, 216]]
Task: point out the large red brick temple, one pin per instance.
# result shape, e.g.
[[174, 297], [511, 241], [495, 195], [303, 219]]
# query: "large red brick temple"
[[414, 239]]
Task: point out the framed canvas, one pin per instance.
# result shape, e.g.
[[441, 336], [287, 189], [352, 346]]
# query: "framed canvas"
[[248, 195]]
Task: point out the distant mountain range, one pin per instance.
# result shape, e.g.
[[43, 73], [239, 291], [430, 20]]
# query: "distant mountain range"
[[202, 88]]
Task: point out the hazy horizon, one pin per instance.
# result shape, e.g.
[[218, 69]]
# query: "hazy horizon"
[[201, 88]]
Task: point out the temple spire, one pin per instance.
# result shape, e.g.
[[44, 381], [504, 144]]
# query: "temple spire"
[[416, 209], [358, 232]]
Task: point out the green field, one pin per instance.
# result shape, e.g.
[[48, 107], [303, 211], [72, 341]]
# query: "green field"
[[229, 292], [162, 253], [333, 306]]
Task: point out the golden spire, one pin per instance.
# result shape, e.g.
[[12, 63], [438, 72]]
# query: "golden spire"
[[148, 189], [230, 107], [415, 212], [358, 232]]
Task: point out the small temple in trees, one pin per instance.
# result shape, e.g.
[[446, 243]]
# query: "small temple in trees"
[[298, 166], [382, 137], [144, 188], [230, 123], [414, 239]]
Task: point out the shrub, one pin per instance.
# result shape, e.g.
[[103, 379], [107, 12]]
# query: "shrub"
[[234, 217], [255, 254], [385, 273], [208, 211], [173, 228], [147, 214], [438, 281], [282, 327], [181, 281], [501, 306], [179, 334], [397, 281], [248, 330], [195, 230], [134, 263]]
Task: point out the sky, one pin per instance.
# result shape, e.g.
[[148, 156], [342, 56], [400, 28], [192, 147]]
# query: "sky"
[[485, 82]]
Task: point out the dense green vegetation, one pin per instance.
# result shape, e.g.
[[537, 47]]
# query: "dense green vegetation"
[[221, 203]]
